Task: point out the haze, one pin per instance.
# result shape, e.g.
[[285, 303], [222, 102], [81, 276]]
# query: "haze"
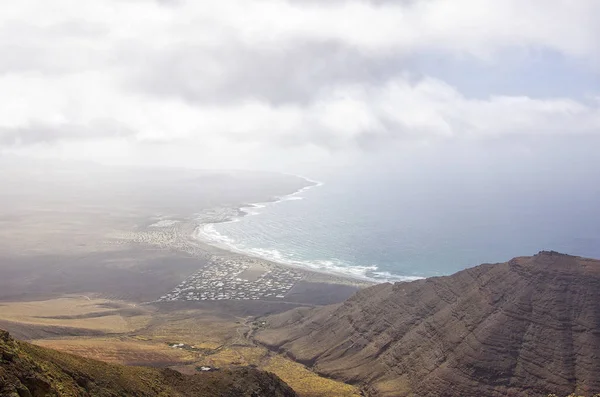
[[361, 197]]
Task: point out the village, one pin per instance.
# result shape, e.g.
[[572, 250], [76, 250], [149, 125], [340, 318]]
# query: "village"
[[240, 278]]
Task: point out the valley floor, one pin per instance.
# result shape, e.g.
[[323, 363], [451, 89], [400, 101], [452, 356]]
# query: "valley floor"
[[186, 338]]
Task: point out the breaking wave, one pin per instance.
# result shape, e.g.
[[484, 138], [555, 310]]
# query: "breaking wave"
[[208, 233]]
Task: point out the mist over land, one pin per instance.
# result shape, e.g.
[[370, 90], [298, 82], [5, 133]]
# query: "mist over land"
[[66, 227]]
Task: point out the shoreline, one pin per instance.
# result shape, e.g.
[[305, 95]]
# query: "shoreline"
[[227, 275], [243, 211], [232, 274], [158, 257], [200, 235], [314, 275], [204, 230], [275, 200]]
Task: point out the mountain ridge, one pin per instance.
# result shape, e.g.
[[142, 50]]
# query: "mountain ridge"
[[530, 325]]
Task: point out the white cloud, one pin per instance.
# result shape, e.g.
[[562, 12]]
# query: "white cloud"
[[230, 79], [470, 26]]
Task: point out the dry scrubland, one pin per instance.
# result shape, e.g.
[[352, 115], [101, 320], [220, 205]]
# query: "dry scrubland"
[[143, 335], [78, 312], [29, 370]]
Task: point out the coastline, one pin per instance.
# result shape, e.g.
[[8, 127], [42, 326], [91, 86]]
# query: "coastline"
[[226, 275], [138, 251], [310, 275], [207, 234], [201, 235]]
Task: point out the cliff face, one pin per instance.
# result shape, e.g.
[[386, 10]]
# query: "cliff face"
[[530, 326], [31, 371]]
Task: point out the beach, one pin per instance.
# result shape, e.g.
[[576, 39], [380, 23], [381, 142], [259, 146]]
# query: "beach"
[[230, 275], [133, 236]]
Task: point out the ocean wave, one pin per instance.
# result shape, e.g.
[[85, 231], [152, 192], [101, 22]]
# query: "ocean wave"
[[294, 196], [390, 277], [208, 231], [256, 208], [288, 198], [164, 223], [253, 209], [209, 234], [334, 266], [330, 266]]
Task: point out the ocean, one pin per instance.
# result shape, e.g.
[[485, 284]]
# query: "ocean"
[[390, 228]]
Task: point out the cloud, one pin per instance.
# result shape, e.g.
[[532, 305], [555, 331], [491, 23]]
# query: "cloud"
[[358, 116], [297, 72], [39, 133], [274, 76]]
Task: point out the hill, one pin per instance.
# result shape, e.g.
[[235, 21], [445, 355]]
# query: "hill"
[[530, 326], [32, 371]]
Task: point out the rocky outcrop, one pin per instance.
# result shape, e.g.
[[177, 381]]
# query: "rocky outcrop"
[[31, 371], [530, 326]]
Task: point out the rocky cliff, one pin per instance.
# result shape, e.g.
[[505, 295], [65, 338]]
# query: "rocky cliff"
[[31, 371], [530, 326]]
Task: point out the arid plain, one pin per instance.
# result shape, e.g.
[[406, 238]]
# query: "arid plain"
[[103, 263]]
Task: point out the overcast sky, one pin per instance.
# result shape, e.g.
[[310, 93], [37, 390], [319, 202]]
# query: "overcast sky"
[[289, 84]]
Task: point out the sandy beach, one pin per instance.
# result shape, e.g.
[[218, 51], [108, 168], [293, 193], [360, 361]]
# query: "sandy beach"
[[228, 275]]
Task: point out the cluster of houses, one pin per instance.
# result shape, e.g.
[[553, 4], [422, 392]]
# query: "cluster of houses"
[[223, 279]]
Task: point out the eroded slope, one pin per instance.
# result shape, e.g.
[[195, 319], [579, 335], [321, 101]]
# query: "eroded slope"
[[531, 325]]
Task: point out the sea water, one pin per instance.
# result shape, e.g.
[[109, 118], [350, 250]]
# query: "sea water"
[[388, 228]]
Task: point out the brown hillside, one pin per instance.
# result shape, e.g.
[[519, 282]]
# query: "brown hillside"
[[32, 371], [530, 326]]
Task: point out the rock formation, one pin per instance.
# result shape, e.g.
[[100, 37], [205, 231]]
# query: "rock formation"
[[530, 326]]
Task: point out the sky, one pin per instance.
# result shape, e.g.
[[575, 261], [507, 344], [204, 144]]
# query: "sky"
[[288, 85]]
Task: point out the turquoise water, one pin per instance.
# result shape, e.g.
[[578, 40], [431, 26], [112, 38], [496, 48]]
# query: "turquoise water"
[[392, 227]]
